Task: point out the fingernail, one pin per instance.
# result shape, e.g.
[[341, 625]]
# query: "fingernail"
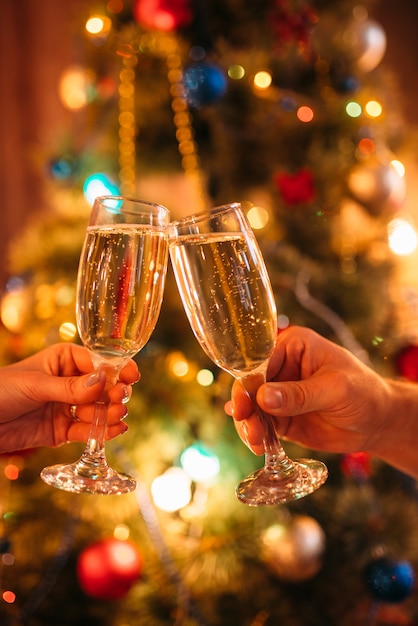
[[125, 415], [93, 379], [273, 398], [244, 432], [126, 395]]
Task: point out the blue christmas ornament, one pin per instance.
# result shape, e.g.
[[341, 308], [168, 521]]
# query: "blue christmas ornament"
[[389, 580], [204, 83], [61, 169]]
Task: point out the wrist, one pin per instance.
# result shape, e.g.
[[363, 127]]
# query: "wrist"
[[394, 439]]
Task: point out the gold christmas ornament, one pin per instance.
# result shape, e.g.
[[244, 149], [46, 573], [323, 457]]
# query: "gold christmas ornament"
[[293, 551]]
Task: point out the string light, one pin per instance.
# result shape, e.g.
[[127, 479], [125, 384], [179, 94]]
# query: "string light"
[[127, 121], [182, 119]]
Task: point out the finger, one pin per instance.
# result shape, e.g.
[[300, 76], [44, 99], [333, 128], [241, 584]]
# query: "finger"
[[115, 413], [130, 374], [316, 394], [120, 393], [67, 389], [241, 404], [251, 433], [79, 431]]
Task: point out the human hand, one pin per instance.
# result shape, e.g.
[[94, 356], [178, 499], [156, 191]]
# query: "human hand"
[[319, 394], [37, 393]]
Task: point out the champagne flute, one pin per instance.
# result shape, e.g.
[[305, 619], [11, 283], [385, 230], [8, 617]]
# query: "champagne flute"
[[228, 299], [120, 288]]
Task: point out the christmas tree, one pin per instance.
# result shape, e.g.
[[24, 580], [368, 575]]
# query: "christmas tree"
[[286, 106]]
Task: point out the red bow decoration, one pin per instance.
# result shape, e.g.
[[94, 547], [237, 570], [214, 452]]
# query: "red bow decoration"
[[295, 188]]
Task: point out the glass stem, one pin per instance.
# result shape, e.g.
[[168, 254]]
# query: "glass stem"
[[276, 459], [95, 447]]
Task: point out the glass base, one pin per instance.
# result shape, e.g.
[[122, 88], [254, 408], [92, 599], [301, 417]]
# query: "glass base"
[[268, 486], [78, 478]]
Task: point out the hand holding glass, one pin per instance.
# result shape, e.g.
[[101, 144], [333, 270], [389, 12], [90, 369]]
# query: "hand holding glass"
[[228, 299], [120, 288]]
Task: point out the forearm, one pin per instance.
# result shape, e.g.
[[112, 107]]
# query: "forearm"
[[396, 441]]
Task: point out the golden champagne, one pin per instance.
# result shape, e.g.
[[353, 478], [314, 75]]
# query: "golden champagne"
[[120, 287], [227, 299]]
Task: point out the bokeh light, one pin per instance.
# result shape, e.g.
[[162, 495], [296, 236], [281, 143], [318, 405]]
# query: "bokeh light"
[[402, 237], [98, 25], [121, 532], [258, 217], [399, 167], [199, 463], [99, 185], [9, 596], [236, 72], [305, 114], [353, 109], [77, 87], [205, 377], [67, 331], [172, 490], [373, 108], [366, 146], [262, 80]]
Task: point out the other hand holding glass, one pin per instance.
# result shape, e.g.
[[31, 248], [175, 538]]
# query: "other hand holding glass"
[[120, 288], [228, 299]]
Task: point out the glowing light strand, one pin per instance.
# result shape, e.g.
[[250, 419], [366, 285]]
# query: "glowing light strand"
[[127, 123], [183, 122]]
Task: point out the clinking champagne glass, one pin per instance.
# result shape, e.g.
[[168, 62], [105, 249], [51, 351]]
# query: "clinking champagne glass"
[[228, 299], [120, 287]]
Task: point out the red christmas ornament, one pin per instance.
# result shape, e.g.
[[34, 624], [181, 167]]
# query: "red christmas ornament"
[[108, 568], [407, 363], [165, 15], [296, 188]]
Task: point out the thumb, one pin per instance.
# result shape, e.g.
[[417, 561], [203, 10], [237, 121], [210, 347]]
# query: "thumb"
[[289, 398]]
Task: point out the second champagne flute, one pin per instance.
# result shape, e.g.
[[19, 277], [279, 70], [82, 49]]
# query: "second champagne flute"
[[120, 288], [227, 296]]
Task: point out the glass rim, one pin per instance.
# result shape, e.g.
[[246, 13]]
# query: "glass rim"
[[194, 218], [122, 198]]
